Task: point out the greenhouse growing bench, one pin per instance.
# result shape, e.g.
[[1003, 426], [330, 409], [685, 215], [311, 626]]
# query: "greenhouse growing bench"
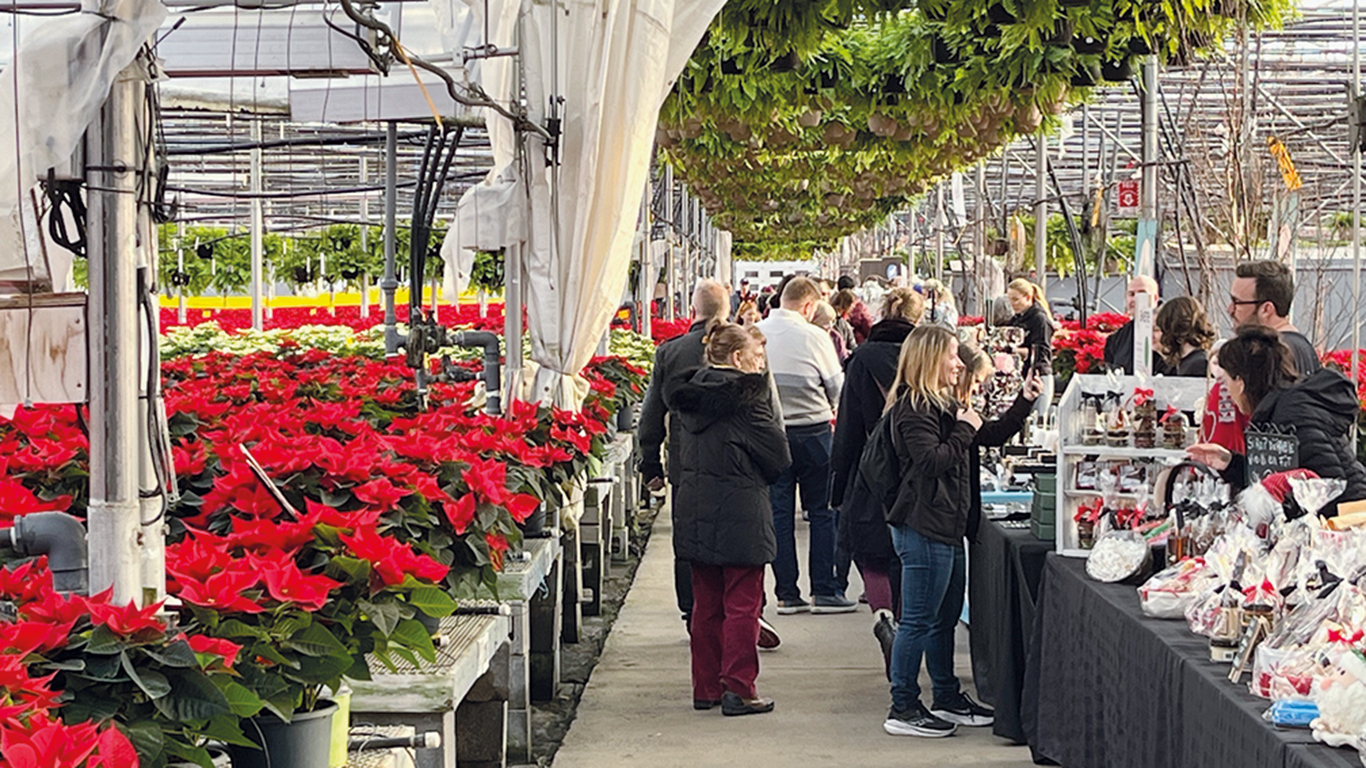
[[462, 695]]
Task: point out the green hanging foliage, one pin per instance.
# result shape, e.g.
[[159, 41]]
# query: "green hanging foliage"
[[802, 122]]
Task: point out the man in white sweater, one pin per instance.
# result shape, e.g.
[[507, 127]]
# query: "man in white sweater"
[[808, 376]]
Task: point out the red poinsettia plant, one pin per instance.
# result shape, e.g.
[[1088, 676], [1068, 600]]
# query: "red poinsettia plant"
[[86, 683], [307, 597]]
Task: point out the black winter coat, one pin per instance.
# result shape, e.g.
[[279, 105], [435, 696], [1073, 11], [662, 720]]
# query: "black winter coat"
[[731, 447], [1038, 328], [994, 433], [868, 375], [934, 449], [1322, 407], [672, 358]]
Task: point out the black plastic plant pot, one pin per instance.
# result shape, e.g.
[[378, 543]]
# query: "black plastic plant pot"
[[301, 275], [1086, 75], [1087, 44], [943, 52], [350, 274], [999, 14], [204, 251], [731, 67], [303, 742], [991, 31], [827, 80], [1062, 34], [1074, 3], [1139, 45], [894, 84], [1117, 71], [788, 62]]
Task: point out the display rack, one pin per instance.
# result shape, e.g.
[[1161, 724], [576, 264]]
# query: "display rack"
[[1184, 393]]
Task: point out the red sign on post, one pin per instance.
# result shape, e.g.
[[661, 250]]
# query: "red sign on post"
[[1127, 198]]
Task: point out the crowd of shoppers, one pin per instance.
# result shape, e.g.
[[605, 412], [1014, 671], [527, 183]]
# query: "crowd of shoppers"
[[777, 397]]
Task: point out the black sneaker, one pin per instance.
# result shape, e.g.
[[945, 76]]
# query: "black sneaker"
[[789, 607], [885, 632], [917, 721], [961, 709]]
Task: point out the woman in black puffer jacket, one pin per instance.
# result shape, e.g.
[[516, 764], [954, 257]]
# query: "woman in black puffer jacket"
[[732, 447], [1259, 375]]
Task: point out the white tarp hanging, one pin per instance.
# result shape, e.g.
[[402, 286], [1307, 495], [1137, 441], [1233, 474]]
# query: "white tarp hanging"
[[617, 60], [53, 90]]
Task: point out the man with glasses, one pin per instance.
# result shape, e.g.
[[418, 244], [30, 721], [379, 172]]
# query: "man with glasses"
[[1261, 296], [1119, 347]]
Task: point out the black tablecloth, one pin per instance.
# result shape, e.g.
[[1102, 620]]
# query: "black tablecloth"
[[1006, 566], [1107, 686]]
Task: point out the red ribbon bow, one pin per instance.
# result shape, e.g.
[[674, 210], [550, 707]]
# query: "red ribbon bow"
[[1266, 588], [1338, 636], [1142, 396], [1167, 414]]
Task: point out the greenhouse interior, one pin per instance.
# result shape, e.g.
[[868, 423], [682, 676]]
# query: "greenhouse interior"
[[436, 383]]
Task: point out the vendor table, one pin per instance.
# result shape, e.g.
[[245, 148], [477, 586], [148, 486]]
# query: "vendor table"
[[1107, 686], [1005, 566]]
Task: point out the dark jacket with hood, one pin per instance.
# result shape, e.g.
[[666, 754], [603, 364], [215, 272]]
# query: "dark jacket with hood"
[[867, 377], [673, 357], [731, 447], [1321, 407]]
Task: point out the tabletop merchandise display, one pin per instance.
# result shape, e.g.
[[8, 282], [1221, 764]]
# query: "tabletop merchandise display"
[[1281, 596], [1117, 435]]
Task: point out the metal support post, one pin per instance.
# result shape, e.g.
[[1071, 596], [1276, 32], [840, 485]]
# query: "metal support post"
[[1356, 211], [113, 343], [257, 227], [512, 320], [1146, 242], [645, 281], [389, 283], [1041, 212], [180, 265], [365, 237]]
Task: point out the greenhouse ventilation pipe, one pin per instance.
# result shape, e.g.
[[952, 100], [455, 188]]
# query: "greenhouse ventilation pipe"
[[62, 538], [492, 360]]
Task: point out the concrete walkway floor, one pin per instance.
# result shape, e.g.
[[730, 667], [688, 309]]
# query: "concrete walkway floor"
[[827, 679]]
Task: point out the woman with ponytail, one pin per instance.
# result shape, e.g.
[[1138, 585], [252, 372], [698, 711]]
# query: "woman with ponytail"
[[1034, 316]]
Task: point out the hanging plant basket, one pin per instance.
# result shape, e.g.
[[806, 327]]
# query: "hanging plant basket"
[[1062, 34], [1117, 71], [1074, 3], [894, 84], [731, 67], [788, 62], [1140, 46], [944, 53], [999, 14], [1086, 75], [1089, 45]]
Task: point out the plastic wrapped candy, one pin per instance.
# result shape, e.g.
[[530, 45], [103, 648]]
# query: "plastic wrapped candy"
[[1170, 592]]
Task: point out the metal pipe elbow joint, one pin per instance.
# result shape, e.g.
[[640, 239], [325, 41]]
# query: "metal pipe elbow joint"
[[62, 538], [493, 360]]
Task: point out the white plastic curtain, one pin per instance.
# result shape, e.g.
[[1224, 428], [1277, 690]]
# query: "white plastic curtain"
[[617, 60], [52, 91]]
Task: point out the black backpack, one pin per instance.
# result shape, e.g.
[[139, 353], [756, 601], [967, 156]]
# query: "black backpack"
[[878, 478]]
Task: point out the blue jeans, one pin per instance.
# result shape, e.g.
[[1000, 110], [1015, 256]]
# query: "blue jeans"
[[933, 577], [810, 471]]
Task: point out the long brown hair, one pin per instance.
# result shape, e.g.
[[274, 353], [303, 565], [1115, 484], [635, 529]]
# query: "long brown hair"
[[1261, 360], [1183, 321], [917, 370], [974, 362]]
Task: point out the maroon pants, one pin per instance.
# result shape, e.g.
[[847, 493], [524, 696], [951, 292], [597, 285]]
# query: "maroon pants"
[[727, 602]]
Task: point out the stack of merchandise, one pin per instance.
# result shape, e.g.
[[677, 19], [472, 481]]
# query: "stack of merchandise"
[[1281, 594]]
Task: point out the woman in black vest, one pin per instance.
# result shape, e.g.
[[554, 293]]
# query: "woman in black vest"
[[732, 447]]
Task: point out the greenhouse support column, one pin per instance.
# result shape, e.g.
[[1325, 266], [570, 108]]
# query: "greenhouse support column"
[[115, 550], [389, 283], [645, 279], [1146, 241], [1041, 213], [180, 267], [365, 237], [978, 295], [1356, 212], [257, 224], [940, 222], [512, 320]]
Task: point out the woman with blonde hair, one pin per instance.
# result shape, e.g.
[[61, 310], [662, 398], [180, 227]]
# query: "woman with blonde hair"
[[933, 437], [904, 303], [732, 447], [1036, 318]]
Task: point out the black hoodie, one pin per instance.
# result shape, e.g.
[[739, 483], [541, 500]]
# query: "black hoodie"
[[1321, 407], [731, 447]]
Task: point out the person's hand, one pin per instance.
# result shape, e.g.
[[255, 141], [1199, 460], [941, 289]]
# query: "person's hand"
[[1033, 386], [1022, 351], [655, 484], [971, 417], [1211, 454]]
